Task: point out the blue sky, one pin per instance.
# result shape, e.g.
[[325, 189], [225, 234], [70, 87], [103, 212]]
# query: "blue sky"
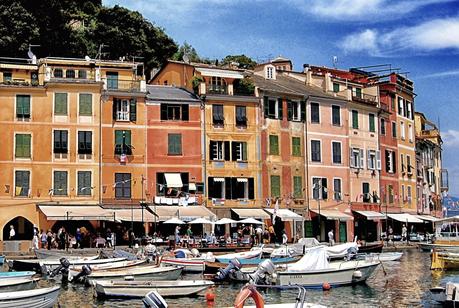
[[419, 36]]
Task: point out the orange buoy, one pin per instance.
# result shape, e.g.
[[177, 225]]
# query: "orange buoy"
[[210, 296], [326, 286]]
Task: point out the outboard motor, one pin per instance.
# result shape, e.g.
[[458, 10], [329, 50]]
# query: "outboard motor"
[[62, 269], [233, 265], [154, 300], [264, 270], [351, 253], [81, 276]]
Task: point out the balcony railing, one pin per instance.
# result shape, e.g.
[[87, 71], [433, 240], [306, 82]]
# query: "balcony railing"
[[243, 91], [365, 98], [216, 89], [122, 85]]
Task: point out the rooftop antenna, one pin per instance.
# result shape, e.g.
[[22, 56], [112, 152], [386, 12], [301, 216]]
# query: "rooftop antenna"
[[31, 55], [335, 61]]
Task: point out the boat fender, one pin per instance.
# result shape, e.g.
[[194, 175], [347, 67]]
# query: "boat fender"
[[128, 278], [326, 286], [357, 275], [245, 293], [210, 295]]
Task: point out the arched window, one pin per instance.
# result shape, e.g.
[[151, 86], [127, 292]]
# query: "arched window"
[[217, 85]]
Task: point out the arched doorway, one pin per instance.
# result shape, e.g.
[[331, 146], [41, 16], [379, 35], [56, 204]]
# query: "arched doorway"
[[22, 227]]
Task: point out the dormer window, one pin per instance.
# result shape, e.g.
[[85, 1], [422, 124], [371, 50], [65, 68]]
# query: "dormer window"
[[270, 72]]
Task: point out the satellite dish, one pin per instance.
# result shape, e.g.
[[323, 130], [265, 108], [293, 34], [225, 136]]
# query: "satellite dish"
[[186, 59], [87, 58], [335, 61]]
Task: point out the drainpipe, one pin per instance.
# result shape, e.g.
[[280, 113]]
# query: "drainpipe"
[[306, 162], [203, 146]]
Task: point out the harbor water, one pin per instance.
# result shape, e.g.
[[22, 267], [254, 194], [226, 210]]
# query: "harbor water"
[[395, 284]]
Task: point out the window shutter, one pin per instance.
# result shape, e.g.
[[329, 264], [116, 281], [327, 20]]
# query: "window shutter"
[[244, 151], [266, 106], [368, 159], [85, 104], [387, 157], [251, 189], [212, 150], [394, 162], [81, 143], [303, 111], [88, 142], [132, 110], [57, 141], [289, 110], [227, 150], [128, 137], [324, 188], [116, 103], [378, 159], [210, 187], [279, 109], [118, 137], [234, 150], [362, 158], [64, 136], [351, 158], [163, 112], [228, 195], [185, 112]]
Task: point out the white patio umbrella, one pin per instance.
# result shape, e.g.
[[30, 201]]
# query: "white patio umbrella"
[[225, 221], [250, 221], [174, 221], [201, 221]]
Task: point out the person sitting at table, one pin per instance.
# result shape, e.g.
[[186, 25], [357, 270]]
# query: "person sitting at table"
[[228, 239]]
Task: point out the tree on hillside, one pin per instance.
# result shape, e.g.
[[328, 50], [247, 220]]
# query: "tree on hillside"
[[189, 51], [242, 61]]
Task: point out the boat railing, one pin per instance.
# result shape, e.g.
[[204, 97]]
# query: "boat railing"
[[301, 297]]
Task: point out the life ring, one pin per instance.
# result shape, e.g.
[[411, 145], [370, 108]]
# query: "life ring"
[[246, 292]]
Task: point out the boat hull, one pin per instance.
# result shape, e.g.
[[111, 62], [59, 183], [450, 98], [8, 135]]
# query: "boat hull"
[[38, 298], [138, 273], [193, 266], [132, 289], [17, 284], [346, 275]]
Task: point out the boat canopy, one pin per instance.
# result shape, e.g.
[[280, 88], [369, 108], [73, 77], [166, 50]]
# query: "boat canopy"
[[334, 215], [286, 215], [372, 215], [251, 213], [405, 217], [315, 258]]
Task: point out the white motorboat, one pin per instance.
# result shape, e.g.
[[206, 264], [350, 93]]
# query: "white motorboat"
[[448, 295], [17, 284], [191, 261], [37, 298], [139, 289], [75, 269], [314, 269], [137, 273], [384, 256], [57, 254], [44, 265], [251, 254]]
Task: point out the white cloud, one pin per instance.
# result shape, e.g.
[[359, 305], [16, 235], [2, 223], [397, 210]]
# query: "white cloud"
[[432, 35], [359, 10], [450, 73], [451, 138]]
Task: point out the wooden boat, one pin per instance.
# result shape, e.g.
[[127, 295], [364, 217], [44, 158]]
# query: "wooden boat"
[[18, 284], [444, 260], [46, 265], [251, 254], [375, 247], [13, 275], [216, 250], [139, 289], [337, 274], [57, 254], [37, 298], [383, 256], [137, 273], [448, 296], [188, 264], [75, 269]]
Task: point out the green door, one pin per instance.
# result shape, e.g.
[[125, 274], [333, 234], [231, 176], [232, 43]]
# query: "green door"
[[342, 232], [308, 229]]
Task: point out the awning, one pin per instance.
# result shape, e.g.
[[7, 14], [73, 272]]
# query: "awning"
[[212, 72], [83, 212], [242, 180], [192, 186], [135, 215], [173, 180], [371, 215], [286, 215], [254, 213], [404, 217], [185, 213], [427, 218], [219, 179], [334, 215]]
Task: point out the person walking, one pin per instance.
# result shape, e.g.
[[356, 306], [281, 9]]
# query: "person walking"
[[12, 233], [284, 238], [259, 232], [177, 236], [43, 239], [49, 238], [78, 238], [272, 234], [404, 233], [331, 238]]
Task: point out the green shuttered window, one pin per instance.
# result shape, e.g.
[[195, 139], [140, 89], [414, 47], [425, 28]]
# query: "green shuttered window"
[[296, 146], [23, 146], [371, 119], [175, 144], [297, 187], [84, 183], [273, 145], [22, 180], [275, 186], [60, 103], [355, 119], [23, 106], [123, 142], [60, 183], [85, 104]]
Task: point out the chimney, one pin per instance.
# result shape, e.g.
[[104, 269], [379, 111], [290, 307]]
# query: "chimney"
[[328, 83]]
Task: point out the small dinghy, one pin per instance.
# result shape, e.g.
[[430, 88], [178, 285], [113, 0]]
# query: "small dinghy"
[[37, 298], [14, 275], [46, 265], [76, 269], [18, 284], [139, 289], [191, 261], [383, 256], [251, 254], [448, 296], [137, 273]]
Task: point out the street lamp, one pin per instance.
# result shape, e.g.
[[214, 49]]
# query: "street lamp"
[[319, 195]]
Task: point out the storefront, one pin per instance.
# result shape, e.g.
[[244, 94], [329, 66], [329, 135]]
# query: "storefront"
[[368, 225]]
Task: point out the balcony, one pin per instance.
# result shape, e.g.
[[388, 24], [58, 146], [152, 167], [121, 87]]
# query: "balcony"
[[217, 89], [429, 133], [365, 98], [124, 85]]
